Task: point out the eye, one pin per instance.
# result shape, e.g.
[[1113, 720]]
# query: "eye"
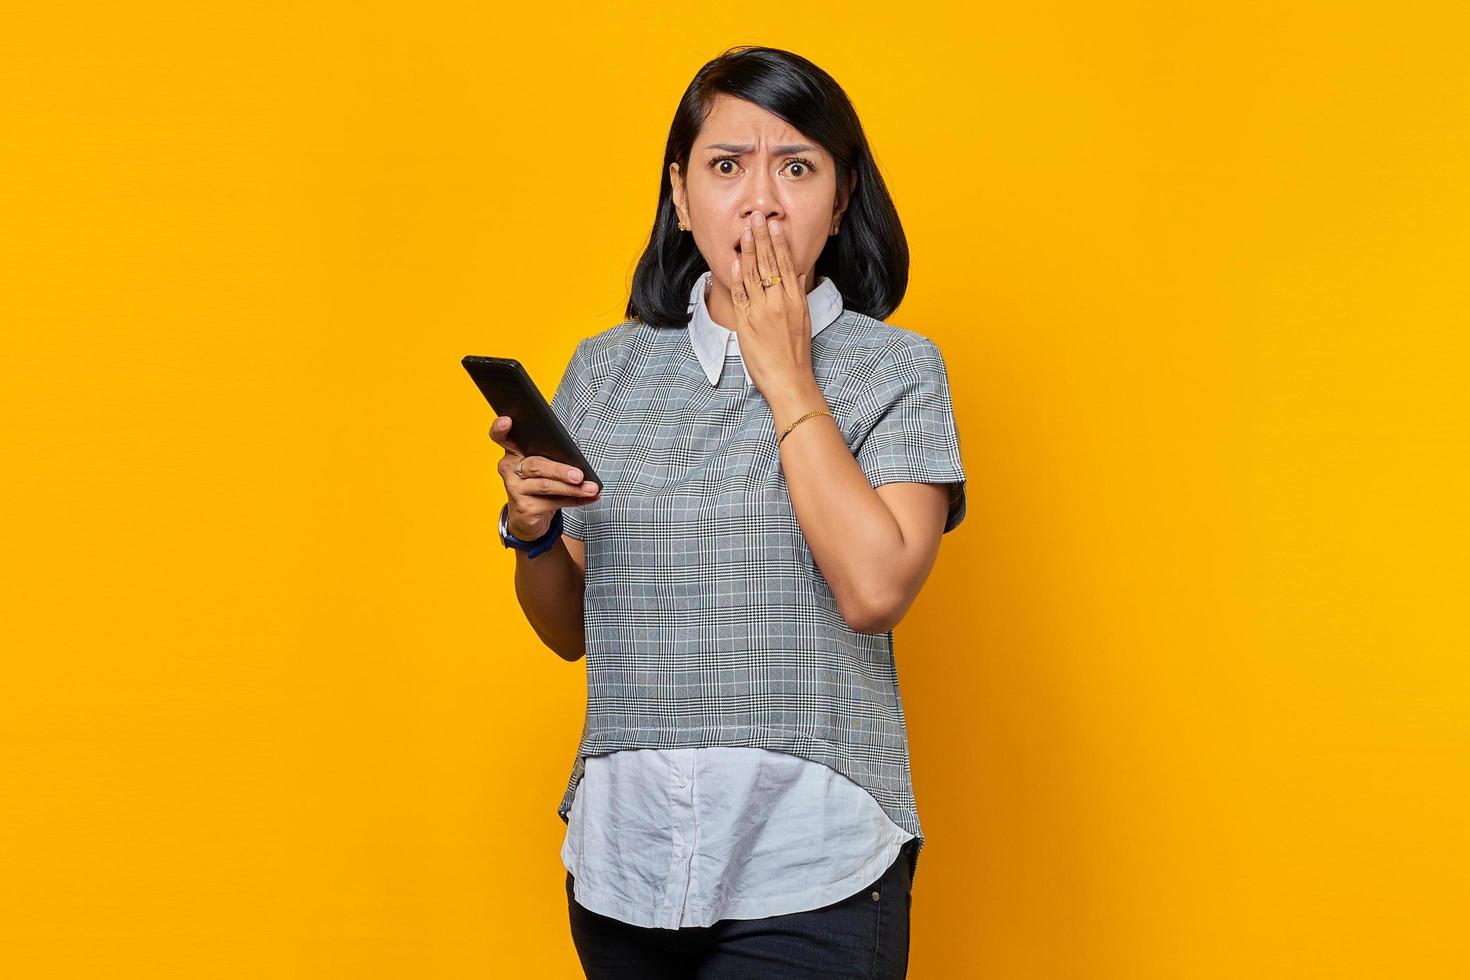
[[805, 166]]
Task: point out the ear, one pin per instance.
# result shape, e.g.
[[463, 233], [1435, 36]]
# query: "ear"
[[844, 198], [676, 183]]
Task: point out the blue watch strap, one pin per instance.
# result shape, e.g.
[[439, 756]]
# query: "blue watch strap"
[[541, 545]]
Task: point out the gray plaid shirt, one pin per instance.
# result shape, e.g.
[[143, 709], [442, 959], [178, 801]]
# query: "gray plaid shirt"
[[707, 620]]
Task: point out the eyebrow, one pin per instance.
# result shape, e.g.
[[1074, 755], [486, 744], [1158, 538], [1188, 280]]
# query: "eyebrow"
[[748, 148]]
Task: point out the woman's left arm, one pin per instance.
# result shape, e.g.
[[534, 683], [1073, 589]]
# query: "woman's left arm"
[[875, 547]]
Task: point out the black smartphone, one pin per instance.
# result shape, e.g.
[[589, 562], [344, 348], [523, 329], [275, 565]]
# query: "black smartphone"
[[534, 426]]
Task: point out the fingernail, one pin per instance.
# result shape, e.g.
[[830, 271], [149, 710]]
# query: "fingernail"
[[759, 218], [746, 234], [574, 476], [775, 227], [589, 486]]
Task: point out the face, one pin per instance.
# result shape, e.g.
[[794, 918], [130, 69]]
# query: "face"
[[744, 160]]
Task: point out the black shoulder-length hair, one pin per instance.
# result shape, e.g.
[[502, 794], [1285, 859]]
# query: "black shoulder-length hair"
[[868, 259]]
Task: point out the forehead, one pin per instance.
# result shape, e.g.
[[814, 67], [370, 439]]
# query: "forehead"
[[733, 120]]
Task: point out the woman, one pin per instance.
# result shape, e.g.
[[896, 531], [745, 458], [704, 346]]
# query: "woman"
[[779, 467]]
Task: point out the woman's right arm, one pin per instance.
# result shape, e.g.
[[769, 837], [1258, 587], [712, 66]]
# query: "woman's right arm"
[[550, 587]]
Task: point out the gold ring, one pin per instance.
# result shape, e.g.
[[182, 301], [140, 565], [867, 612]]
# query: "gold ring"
[[769, 281], [518, 467]]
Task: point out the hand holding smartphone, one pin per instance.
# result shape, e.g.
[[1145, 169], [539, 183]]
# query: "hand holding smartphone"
[[553, 472]]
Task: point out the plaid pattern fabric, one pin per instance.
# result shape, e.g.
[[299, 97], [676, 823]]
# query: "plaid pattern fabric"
[[707, 620]]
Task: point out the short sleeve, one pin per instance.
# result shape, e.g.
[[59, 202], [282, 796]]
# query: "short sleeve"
[[907, 427], [569, 404]]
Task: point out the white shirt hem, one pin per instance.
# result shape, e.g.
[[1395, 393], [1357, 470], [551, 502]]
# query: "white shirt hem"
[[698, 916]]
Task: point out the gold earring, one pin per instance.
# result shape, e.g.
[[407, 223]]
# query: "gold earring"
[[682, 225]]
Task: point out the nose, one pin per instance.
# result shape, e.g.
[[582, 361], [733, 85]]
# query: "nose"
[[760, 192]]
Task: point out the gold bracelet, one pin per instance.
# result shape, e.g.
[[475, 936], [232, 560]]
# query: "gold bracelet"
[[808, 415]]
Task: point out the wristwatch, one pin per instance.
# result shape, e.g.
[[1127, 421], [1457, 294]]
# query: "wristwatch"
[[541, 545]]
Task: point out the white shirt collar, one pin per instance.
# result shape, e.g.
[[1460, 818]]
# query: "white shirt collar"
[[712, 342]]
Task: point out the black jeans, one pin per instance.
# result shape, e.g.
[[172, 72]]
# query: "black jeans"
[[859, 936]]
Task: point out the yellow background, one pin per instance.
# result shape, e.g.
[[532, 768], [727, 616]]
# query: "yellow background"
[[1187, 693]]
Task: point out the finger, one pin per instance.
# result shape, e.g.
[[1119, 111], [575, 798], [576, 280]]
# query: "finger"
[[544, 478], [750, 265], [738, 291], [541, 467], [555, 488], [766, 255], [499, 434], [785, 264], [544, 486]]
